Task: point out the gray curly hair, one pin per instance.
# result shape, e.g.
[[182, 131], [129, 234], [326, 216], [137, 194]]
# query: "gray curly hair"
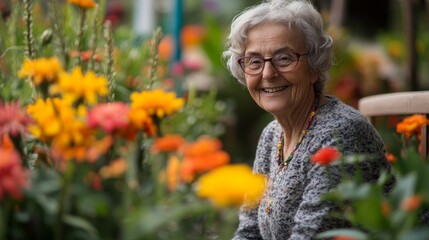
[[299, 14]]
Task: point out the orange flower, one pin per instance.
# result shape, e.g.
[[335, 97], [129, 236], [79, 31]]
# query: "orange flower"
[[202, 147], [98, 148], [411, 125], [140, 119], [173, 173], [168, 143], [192, 35], [150, 104], [85, 55], [390, 157], [165, 48], [6, 142], [83, 3], [385, 208], [116, 169], [411, 203], [325, 155], [202, 156]]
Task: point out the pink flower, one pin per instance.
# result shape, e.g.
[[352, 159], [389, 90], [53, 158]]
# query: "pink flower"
[[109, 116], [325, 155], [13, 120], [13, 177], [178, 69]]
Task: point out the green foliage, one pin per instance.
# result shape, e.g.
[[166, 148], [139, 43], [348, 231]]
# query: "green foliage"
[[377, 214], [201, 116], [69, 202]]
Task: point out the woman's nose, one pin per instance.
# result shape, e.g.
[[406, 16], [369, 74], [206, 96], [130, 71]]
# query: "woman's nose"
[[269, 70]]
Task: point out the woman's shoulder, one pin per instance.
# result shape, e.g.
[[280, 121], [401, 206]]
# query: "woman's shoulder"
[[341, 123], [270, 130], [337, 114]]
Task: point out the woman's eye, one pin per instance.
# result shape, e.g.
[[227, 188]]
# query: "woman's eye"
[[284, 59], [255, 61]]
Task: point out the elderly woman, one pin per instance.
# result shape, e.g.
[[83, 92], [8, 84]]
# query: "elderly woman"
[[281, 53]]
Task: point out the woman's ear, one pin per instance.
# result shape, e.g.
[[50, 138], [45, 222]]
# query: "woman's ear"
[[314, 77]]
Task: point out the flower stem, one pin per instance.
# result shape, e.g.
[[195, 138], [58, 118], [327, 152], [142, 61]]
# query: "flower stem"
[[156, 39], [79, 39], [58, 31], [108, 35], [58, 230], [5, 209], [94, 38], [29, 31], [139, 156]]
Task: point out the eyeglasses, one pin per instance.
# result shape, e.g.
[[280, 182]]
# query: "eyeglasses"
[[283, 62]]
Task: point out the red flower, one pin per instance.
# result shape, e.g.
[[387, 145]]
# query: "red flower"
[[109, 116], [94, 181], [390, 157], [13, 178], [13, 120], [85, 55], [343, 238], [326, 155]]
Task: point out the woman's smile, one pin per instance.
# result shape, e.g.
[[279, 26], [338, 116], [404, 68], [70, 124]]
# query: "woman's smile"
[[274, 89]]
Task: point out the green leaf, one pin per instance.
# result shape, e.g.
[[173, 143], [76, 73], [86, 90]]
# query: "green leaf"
[[416, 234], [213, 42], [82, 224], [368, 212], [405, 187], [356, 234], [147, 221]]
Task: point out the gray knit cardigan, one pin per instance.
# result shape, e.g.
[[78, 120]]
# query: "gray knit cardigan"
[[297, 211]]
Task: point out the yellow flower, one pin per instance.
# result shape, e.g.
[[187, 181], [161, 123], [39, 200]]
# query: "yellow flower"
[[141, 120], [58, 122], [232, 185], [73, 141], [41, 70], [83, 3], [46, 117], [157, 102], [78, 87], [395, 49]]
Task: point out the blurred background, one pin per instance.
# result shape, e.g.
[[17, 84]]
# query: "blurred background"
[[380, 46]]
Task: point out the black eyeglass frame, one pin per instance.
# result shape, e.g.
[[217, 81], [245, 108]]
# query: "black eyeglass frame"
[[270, 59]]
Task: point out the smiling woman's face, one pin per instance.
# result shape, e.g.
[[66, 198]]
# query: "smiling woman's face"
[[276, 92]]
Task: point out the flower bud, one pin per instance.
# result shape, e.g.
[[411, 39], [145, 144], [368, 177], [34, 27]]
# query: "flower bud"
[[46, 37]]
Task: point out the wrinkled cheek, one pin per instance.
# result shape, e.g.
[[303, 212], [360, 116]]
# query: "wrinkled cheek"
[[299, 92], [256, 96]]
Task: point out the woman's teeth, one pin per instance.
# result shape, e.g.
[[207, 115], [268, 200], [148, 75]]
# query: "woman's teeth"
[[273, 90]]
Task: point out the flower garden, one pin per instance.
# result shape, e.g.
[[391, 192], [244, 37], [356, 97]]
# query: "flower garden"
[[95, 143]]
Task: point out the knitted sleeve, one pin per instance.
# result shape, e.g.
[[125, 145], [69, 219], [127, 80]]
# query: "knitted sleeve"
[[248, 227]]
